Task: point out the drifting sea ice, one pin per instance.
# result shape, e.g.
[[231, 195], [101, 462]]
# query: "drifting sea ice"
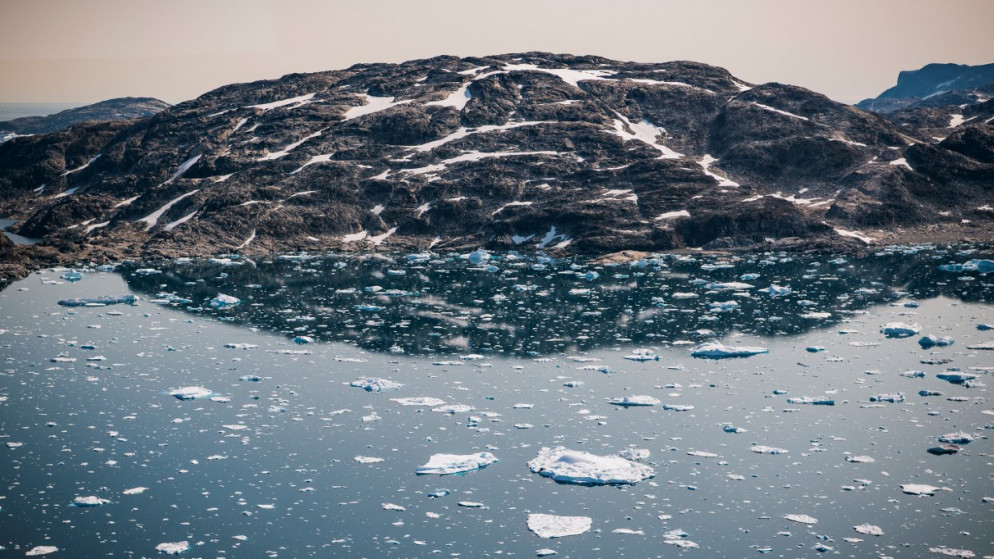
[[868, 529], [899, 330], [715, 350], [761, 449], [41, 550], [99, 301], [173, 548], [919, 489], [582, 468], [634, 401], [449, 464], [935, 341], [190, 392], [553, 526], [223, 301], [372, 384], [801, 518], [419, 401], [89, 501]]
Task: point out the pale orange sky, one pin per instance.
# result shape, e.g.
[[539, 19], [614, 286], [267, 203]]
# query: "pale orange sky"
[[88, 50]]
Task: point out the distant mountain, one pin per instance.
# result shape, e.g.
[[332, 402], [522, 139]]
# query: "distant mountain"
[[935, 85], [123, 108], [529, 151]]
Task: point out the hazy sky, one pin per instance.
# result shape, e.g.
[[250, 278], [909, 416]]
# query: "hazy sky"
[[89, 50]]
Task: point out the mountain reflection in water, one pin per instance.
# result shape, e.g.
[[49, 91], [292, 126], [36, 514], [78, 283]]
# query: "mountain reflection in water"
[[532, 305]]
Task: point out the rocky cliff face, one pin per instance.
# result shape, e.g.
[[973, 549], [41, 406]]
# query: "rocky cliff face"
[[123, 108], [526, 151]]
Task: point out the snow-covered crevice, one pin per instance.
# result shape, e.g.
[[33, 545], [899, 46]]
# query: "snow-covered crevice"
[[373, 105], [296, 101], [289, 148], [644, 132], [151, 219], [83, 166], [706, 163]]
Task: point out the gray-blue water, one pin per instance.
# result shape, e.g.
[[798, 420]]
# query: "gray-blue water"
[[536, 347]]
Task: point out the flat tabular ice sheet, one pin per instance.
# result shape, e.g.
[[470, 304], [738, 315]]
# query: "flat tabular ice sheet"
[[583, 468], [553, 526], [447, 464]]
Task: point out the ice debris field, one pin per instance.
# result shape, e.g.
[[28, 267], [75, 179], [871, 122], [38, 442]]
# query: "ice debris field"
[[489, 404]]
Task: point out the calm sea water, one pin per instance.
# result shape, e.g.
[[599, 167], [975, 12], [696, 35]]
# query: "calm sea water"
[[535, 347]]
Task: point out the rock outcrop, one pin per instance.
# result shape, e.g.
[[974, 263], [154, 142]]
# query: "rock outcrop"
[[523, 151], [122, 108]]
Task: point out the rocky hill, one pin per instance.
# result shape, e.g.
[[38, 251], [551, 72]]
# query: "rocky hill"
[[525, 151], [123, 108], [935, 85]]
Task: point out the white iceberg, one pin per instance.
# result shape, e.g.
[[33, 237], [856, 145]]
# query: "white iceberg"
[[801, 518], [190, 392], [715, 350], [900, 330], [172, 548], [41, 550], [869, 529], [554, 526], [761, 449], [583, 468], [223, 301], [634, 401], [419, 401], [777, 291], [89, 501], [930, 341], [728, 286], [449, 464], [372, 384], [919, 489]]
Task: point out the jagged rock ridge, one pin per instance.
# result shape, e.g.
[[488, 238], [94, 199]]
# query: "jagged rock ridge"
[[935, 85], [515, 151]]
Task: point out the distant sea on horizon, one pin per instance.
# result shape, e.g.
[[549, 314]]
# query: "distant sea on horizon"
[[10, 111]]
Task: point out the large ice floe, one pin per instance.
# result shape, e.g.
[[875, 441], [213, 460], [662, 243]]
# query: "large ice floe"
[[583, 468], [554, 526], [900, 330], [372, 384], [449, 464], [190, 393], [89, 501], [634, 401], [172, 548], [715, 350]]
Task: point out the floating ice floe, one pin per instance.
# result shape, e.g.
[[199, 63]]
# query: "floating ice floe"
[[134, 491], [173, 548], [956, 438], [761, 449], [72, 276], [814, 349], [372, 384], [419, 401], [678, 538], [943, 449], [393, 507], [988, 346], [99, 301], [952, 552], [891, 398], [41, 550], [642, 354], [632, 453], [448, 464], [935, 341], [190, 392], [811, 401], [555, 526], [89, 501], [860, 459], [303, 340], [240, 346], [900, 330], [583, 468], [634, 401], [732, 429], [919, 489], [982, 266], [956, 378], [368, 459], [545, 552], [801, 518], [868, 529], [223, 301], [777, 291], [677, 407], [715, 350], [728, 286]]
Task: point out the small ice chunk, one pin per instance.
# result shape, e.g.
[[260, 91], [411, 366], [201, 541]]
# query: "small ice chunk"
[[419, 401], [135, 491], [956, 378], [583, 468], [677, 407], [811, 401], [372, 384], [952, 552], [761, 449], [895, 398], [449, 464], [223, 301], [41, 550], [634, 401], [391, 506], [860, 459], [777, 291], [900, 330], [190, 392], [642, 354], [919, 489], [729, 286], [555, 526], [956, 438], [172, 548], [715, 350], [868, 529], [801, 518], [545, 552], [89, 501], [935, 341]]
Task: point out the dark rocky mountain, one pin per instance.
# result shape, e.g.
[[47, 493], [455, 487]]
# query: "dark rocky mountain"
[[524, 151], [123, 108], [935, 85]]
